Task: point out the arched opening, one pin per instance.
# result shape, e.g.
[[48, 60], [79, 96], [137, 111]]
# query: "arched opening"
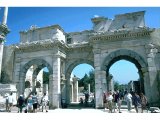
[[82, 84], [125, 76], [130, 56], [36, 80], [37, 73]]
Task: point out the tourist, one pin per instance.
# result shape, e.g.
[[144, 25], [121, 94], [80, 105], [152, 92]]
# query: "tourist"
[[115, 100], [120, 100], [44, 102], [104, 100], [7, 103], [143, 101], [86, 98], [20, 103], [136, 101], [109, 101], [10, 101], [81, 102], [128, 99], [30, 104], [35, 102]]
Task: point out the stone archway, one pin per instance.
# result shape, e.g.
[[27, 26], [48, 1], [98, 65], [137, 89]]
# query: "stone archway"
[[39, 63], [131, 56], [69, 70]]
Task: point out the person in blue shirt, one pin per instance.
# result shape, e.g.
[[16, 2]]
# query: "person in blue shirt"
[[35, 102], [30, 104]]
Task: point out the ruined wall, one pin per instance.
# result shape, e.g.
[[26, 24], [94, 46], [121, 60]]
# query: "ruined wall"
[[35, 34]]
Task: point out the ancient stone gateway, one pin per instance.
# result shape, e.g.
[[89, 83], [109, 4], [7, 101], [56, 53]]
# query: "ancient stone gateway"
[[125, 37]]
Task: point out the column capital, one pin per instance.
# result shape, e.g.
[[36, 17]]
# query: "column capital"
[[3, 32]]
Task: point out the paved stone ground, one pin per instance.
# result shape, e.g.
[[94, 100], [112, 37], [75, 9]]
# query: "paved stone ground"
[[83, 110]]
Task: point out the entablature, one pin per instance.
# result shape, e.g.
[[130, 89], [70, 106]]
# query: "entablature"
[[121, 34]]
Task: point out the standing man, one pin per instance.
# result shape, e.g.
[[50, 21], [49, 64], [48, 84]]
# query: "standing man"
[[44, 102], [128, 99], [10, 101], [7, 103], [136, 101], [35, 102], [120, 100], [20, 103]]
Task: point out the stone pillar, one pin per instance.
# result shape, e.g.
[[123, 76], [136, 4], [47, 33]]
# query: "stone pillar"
[[146, 84], [4, 21], [111, 85], [99, 79], [71, 92], [153, 94], [17, 71], [63, 90], [54, 84], [34, 79], [21, 83], [3, 32], [1, 55], [89, 89], [75, 89], [68, 89]]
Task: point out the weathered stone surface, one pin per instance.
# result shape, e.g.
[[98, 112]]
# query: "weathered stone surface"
[[125, 38], [128, 21]]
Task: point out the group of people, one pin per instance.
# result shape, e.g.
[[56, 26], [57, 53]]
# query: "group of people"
[[86, 102], [113, 101], [29, 104]]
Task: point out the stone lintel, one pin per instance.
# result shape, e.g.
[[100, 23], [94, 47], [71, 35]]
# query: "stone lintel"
[[118, 35]]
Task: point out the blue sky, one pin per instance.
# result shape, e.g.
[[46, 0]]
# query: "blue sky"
[[73, 19]]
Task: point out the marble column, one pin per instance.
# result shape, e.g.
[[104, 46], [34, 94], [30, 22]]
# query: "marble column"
[[22, 83], [16, 73], [4, 21], [71, 91], [75, 89], [99, 78], [1, 56], [63, 90], [3, 32], [54, 84]]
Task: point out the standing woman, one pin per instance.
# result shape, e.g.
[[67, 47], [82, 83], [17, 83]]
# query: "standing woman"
[[110, 102], [143, 101]]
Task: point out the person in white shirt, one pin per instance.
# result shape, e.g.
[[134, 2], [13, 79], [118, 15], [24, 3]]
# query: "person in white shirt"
[[128, 99], [44, 102], [10, 102], [109, 101]]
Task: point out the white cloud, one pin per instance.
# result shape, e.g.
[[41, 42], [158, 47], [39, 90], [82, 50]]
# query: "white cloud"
[[96, 16]]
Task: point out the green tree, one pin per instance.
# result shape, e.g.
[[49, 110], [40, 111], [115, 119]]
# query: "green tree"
[[116, 85], [45, 77], [88, 79]]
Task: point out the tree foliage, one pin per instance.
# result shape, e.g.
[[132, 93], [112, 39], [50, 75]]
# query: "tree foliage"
[[45, 77], [116, 85], [87, 79]]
